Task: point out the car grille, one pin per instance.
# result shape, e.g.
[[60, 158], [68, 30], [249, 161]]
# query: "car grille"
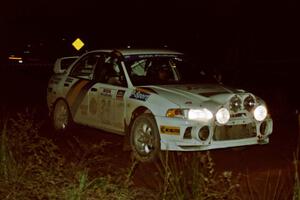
[[234, 132], [238, 115]]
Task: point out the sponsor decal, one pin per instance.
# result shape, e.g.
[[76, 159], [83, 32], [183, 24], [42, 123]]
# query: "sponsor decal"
[[120, 94], [77, 93], [93, 106], [75, 90], [170, 130], [139, 94], [106, 92]]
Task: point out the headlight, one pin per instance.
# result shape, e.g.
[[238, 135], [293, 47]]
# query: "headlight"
[[260, 113], [223, 116], [191, 114], [200, 114]]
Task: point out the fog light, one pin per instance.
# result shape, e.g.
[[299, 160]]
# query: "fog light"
[[249, 103], [235, 104], [188, 133], [203, 133]]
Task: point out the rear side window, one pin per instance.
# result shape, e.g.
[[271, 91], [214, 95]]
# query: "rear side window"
[[85, 67], [65, 63]]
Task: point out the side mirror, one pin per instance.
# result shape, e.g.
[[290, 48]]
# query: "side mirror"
[[62, 64]]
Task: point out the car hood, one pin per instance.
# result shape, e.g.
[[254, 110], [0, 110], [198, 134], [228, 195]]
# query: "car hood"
[[196, 94]]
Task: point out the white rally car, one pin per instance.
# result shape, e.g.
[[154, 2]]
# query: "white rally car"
[[158, 99]]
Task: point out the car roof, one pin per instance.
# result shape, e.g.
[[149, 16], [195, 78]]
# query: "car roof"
[[127, 52]]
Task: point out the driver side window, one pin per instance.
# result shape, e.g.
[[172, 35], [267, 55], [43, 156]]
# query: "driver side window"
[[109, 71]]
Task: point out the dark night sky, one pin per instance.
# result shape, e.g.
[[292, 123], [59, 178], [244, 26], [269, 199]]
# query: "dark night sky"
[[266, 30], [242, 38]]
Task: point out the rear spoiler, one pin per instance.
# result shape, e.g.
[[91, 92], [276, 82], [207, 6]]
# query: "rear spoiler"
[[62, 64]]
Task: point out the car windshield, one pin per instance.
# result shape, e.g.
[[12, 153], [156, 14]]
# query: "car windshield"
[[164, 69]]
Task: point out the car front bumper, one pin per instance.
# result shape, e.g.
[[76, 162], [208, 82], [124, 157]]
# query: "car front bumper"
[[173, 134]]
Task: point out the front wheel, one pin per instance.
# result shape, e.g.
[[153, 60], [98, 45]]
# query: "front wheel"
[[144, 138], [61, 116]]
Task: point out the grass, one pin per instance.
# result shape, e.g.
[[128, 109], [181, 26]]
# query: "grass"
[[33, 167], [192, 176], [272, 185], [296, 192]]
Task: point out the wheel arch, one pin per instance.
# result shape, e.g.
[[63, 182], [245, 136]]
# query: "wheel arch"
[[136, 112], [69, 121], [144, 118], [55, 102]]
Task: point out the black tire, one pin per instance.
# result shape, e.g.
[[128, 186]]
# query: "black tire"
[[144, 138], [61, 116]]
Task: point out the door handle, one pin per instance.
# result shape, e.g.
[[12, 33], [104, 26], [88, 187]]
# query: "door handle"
[[94, 89]]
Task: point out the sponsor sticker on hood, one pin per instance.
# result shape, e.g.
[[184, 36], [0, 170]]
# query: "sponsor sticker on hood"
[[139, 95]]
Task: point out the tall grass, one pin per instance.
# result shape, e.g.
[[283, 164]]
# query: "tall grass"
[[32, 167], [192, 176], [296, 192], [273, 185]]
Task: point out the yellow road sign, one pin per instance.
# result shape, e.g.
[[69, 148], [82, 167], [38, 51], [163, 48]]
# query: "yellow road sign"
[[78, 44]]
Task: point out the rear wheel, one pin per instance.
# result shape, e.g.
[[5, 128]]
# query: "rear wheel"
[[144, 138], [61, 116]]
